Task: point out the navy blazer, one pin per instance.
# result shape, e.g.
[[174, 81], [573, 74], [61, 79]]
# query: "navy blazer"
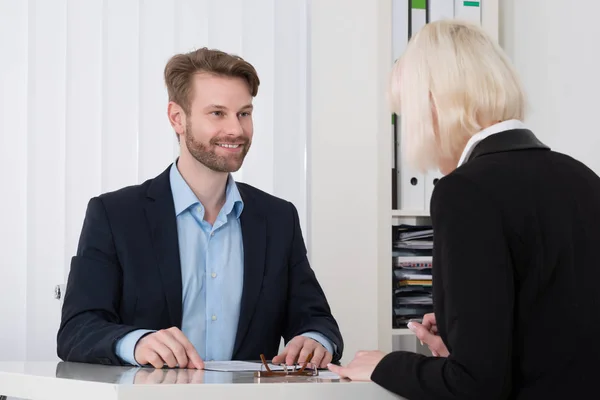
[[126, 275]]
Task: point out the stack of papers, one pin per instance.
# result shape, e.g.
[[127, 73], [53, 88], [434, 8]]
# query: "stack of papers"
[[412, 263], [415, 240]]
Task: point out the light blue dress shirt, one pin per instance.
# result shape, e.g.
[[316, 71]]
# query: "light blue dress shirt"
[[212, 273]]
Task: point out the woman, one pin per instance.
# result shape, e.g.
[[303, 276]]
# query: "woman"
[[516, 227]]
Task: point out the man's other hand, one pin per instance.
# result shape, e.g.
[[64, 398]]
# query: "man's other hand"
[[167, 347], [298, 349]]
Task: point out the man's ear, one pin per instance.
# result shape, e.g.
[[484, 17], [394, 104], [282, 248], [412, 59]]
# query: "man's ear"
[[177, 117]]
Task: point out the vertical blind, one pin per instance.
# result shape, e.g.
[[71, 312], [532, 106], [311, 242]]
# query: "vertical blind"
[[83, 112]]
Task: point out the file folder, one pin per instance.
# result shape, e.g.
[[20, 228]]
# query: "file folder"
[[399, 41], [468, 11], [438, 10], [418, 15], [441, 9], [408, 16]]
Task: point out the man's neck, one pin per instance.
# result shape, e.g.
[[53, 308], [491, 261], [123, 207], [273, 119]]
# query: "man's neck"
[[207, 185]]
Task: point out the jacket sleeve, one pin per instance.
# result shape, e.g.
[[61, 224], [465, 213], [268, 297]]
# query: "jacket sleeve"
[[473, 272], [90, 324], [308, 309]]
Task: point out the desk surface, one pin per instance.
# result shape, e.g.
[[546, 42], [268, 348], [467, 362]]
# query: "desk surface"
[[66, 381]]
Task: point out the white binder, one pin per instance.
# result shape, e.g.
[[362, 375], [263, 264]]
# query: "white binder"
[[441, 9], [406, 21], [468, 11], [438, 10]]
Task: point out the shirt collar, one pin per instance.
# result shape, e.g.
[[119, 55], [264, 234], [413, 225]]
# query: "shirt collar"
[[487, 132], [184, 197]]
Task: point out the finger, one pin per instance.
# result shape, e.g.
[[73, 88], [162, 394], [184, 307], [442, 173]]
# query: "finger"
[[438, 346], [429, 321], [318, 357], [280, 358], [190, 350], [292, 353], [164, 352], [361, 353], [149, 356], [336, 369], [326, 359], [421, 332], [174, 344], [308, 348], [434, 353]]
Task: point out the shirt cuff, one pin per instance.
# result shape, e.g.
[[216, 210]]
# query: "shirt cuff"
[[125, 348], [329, 346]]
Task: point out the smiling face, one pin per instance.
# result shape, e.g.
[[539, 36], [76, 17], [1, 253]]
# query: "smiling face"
[[218, 130]]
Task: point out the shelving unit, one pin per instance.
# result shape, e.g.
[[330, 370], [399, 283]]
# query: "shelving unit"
[[403, 339]]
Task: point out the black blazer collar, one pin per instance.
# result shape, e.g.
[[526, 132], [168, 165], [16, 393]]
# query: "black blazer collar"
[[511, 140]]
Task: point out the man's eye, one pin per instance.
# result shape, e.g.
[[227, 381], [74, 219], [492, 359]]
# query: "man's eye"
[[244, 114], [217, 113]]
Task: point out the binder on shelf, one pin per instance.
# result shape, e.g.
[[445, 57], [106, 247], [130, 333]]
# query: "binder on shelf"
[[418, 15], [408, 16], [394, 164], [438, 10], [400, 27], [441, 9], [431, 178], [468, 10]]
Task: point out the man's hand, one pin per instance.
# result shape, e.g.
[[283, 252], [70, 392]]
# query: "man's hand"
[[427, 334], [298, 350], [361, 368], [168, 346]]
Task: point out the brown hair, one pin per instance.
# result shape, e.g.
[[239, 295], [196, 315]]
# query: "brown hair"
[[181, 68]]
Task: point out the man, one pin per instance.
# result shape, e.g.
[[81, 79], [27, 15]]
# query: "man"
[[192, 266]]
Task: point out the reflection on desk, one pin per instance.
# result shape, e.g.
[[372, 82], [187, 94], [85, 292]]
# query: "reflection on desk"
[[65, 381], [137, 375]]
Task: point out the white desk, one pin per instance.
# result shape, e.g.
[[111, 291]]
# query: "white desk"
[[73, 381]]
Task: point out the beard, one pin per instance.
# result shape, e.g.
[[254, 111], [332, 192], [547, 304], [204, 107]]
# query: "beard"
[[206, 154]]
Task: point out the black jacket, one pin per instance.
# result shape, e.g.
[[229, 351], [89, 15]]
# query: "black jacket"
[[127, 276], [516, 275]]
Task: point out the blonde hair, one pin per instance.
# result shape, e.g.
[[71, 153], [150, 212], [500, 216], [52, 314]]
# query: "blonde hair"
[[452, 79]]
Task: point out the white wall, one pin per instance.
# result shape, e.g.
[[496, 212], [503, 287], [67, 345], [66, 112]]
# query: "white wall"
[[83, 111], [554, 45], [350, 129]]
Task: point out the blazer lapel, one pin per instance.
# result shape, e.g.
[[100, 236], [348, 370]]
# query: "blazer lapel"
[[160, 212], [254, 234]]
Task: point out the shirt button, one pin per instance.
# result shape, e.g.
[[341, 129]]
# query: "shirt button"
[[214, 317], [212, 234], [214, 274]]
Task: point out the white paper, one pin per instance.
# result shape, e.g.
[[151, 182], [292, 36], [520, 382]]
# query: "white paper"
[[237, 366], [328, 375]]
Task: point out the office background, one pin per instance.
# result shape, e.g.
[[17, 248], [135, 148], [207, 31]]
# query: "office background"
[[82, 111]]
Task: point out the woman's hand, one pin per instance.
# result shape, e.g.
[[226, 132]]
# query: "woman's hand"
[[361, 368], [427, 333]]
